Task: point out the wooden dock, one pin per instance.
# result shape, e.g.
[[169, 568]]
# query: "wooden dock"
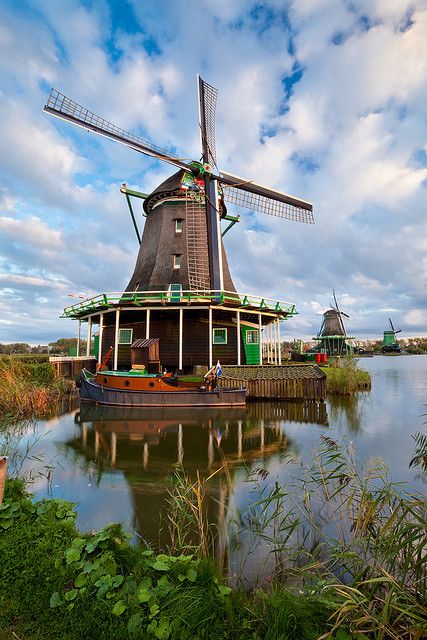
[[71, 366], [291, 381]]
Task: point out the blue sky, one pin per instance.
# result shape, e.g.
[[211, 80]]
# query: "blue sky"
[[324, 99]]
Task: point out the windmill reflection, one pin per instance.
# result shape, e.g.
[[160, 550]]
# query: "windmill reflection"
[[144, 445]]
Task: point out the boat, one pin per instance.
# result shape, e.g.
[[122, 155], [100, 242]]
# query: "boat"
[[140, 389]]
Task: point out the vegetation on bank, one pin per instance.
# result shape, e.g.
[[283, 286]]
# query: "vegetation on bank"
[[344, 377], [29, 389], [58, 583], [349, 550]]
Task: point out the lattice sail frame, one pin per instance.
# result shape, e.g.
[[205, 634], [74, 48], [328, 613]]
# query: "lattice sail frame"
[[59, 104], [208, 98], [263, 204]]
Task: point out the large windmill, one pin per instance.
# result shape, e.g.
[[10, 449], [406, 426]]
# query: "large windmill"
[[332, 336], [181, 264]]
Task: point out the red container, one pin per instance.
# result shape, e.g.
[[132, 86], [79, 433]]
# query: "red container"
[[323, 357], [317, 357]]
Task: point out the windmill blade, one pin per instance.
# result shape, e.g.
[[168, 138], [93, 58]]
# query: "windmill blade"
[[335, 299], [391, 324], [62, 107], [245, 193], [207, 107]]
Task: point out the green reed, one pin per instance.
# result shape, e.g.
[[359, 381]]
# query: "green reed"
[[29, 389], [344, 377]]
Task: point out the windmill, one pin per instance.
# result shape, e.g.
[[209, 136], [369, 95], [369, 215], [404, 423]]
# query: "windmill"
[[390, 343], [181, 259], [332, 336]]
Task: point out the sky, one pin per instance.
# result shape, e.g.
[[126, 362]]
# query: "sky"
[[322, 99]]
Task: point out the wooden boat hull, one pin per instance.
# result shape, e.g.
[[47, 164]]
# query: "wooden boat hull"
[[94, 392]]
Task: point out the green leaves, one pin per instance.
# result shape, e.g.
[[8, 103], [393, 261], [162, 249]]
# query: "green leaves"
[[119, 608], [9, 512], [55, 600]]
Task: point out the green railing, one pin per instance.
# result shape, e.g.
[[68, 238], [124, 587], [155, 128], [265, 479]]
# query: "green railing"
[[104, 301]]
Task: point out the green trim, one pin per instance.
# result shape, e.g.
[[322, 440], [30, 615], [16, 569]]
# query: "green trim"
[[141, 298]]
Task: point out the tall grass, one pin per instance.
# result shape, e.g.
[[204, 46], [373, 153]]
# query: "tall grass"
[[30, 390], [353, 536], [338, 531], [344, 377]]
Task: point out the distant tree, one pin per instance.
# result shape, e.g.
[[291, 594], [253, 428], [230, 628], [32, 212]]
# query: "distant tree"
[[15, 347], [41, 348], [63, 345]]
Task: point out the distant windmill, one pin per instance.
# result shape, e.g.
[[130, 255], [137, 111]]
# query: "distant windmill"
[[332, 336], [390, 344]]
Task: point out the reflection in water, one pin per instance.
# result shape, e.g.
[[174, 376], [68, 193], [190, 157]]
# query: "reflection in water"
[[116, 465], [348, 410], [145, 444]]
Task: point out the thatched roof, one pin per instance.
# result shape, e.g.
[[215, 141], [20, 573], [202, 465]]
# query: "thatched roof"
[[268, 372]]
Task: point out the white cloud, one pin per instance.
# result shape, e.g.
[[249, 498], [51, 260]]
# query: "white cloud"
[[346, 138]]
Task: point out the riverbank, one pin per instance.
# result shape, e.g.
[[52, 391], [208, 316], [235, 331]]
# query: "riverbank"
[[361, 576], [56, 582], [29, 389]]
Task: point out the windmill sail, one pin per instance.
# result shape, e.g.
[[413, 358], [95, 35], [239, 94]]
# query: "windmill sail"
[[63, 107], [207, 107], [245, 193]]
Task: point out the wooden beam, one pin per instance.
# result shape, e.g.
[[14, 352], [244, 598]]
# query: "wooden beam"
[[116, 340], [101, 330], [238, 339], [210, 337], [181, 319], [147, 323], [259, 337], [78, 338], [89, 336]]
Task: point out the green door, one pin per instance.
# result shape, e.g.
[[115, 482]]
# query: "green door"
[[250, 337]]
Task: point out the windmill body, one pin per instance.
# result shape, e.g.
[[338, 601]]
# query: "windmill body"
[[181, 290], [390, 343], [332, 337]]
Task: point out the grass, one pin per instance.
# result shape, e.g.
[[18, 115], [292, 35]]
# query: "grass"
[[56, 583], [30, 389], [355, 537], [345, 377]]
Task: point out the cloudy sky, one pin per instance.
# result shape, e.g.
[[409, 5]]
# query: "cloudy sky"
[[324, 99]]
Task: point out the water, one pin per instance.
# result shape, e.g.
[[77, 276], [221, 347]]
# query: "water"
[[115, 463]]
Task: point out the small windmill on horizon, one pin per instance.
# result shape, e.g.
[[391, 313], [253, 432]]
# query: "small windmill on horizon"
[[332, 337], [181, 263]]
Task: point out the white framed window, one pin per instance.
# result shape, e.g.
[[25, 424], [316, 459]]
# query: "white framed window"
[[177, 261], [125, 336], [252, 336], [178, 225], [175, 292], [219, 336]]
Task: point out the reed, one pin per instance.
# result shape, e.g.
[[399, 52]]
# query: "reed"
[[189, 528], [345, 377], [30, 390], [351, 535]]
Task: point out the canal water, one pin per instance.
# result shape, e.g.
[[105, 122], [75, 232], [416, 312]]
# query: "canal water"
[[116, 464]]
